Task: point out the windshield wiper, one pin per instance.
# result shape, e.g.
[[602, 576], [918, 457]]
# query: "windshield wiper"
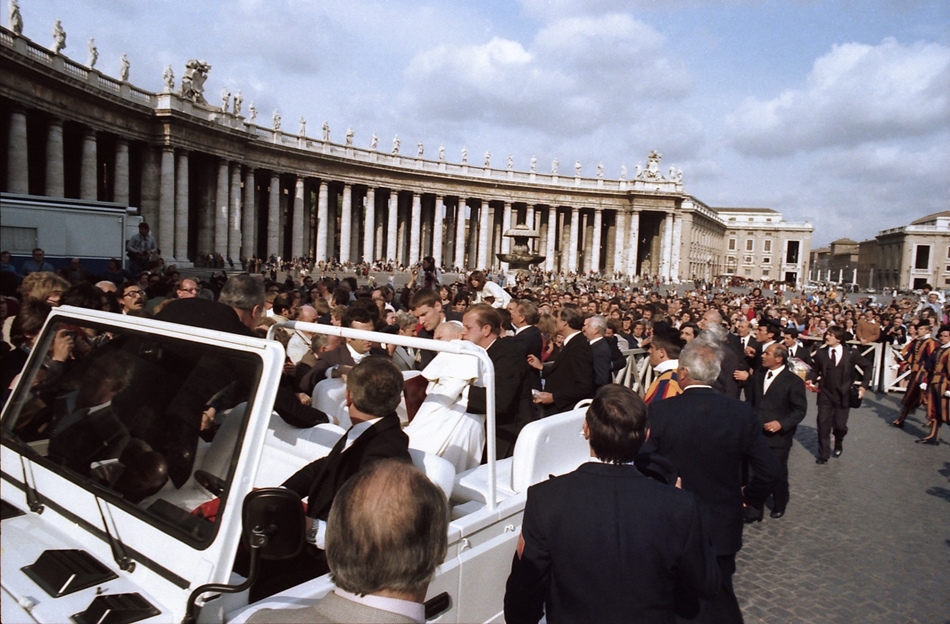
[[119, 553], [29, 489]]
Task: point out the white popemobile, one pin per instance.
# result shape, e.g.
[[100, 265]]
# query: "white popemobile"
[[86, 537]]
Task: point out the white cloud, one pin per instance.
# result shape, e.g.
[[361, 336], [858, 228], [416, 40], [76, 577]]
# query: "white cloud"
[[855, 93]]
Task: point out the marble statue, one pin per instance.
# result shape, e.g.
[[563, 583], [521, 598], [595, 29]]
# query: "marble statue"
[[349, 137], [193, 81], [93, 53], [623, 172], [16, 20], [59, 37], [124, 68], [534, 163], [577, 168], [225, 98], [639, 169], [238, 103], [252, 110], [554, 164], [487, 160], [275, 118], [679, 176], [511, 162], [464, 155], [419, 150], [600, 170], [168, 77], [374, 142], [441, 153], [672, 172], [396, 144], [302, 128], [326, 132]]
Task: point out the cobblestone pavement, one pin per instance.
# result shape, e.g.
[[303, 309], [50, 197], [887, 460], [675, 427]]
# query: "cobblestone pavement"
[[865, 538]]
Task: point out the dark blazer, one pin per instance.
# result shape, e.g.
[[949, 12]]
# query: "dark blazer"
[[736, 343], [530, 342], [570, 377], [617, 359], [726, 382], [318, 372], [322, 479], [785, 402], [600, 351], [802, 353], [834, 382], [707, 436], [514, 407], [607, 544]]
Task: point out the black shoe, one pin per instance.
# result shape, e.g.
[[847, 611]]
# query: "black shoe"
[[933, 441], [821, 461], [838, 451], [777, 514], [899, 423], [753, 514]]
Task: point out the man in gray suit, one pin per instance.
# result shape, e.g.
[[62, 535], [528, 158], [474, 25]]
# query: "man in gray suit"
[[393, 510]]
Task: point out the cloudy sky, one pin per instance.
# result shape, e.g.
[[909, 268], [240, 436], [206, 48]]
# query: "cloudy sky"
[[834, 112]]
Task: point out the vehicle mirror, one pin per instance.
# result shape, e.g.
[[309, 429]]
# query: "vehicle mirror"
[[273, 522]]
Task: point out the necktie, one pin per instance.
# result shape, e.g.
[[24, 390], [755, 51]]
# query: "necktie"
[[834, 360], [769, 376]]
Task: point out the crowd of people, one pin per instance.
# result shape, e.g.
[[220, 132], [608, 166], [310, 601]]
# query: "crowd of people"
[[553, 343]]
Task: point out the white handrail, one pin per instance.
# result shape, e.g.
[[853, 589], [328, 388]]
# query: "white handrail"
[[458, 346]]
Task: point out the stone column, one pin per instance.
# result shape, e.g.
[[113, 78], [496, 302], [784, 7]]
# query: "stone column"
[[151, 184], [675, 247], [505, 226], [120, 193], [595, 243], [166, 204], [438, 222], [619, 238], [296, 221], [369, 231], [346, 223], [529, 221], [273, 217], [550, 260], [221, 204], [323, 216], [633, 239], [415, 228], [249, 216], [55, 178], [666, 245], [572, 249], [234, 215], [483, 235], [392, 226], [88, 187], [460, 234], [181, 207], [18, 174]]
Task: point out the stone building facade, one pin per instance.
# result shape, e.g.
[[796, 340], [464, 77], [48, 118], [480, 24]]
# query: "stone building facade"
[[909, 256], [217, 179], [760, 245]]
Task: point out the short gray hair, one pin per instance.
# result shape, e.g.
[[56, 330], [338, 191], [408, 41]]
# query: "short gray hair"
[[599, 323], [387, 529], [701, 360], [243, 292]]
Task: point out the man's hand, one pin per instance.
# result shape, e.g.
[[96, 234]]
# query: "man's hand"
[[304, 398], [544, 398], [207, 418], [773, 426], [740, 375], [861, 392], [534, 362], [63, 345], [810, 386], [750, 352]]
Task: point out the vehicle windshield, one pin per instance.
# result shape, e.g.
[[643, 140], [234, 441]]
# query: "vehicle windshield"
[[151, 423]]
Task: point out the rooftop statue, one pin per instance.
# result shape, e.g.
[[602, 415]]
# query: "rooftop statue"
[[487, 159], [419, 150], [326, 132], [253, 112], [16, 20], [600, 170], [302, 129], [168, 77], [275, 118], [396, 143], [93, 53], [441, 153], [59, 37], [238, 102], [349, 137], [653, 168], [193, 81], [464, 155], [373, 142], [577, 168], [534, 163], [225, 98], [554, 165], [124, 68], [623, 172]]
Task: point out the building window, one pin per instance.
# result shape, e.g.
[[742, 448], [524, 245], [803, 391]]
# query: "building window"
[[791, 252], [750, 245], [768, 246], [922, 258], [948, 252], [748, 271], [767, 260], [747, 259], [732, 244], [765, 272]]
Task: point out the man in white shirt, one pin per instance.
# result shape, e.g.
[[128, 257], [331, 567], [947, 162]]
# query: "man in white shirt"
[[300, 341]]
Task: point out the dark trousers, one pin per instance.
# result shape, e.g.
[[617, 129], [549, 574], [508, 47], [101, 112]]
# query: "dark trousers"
[[723, 608], [831, 419], [781, 493], [277, 576]]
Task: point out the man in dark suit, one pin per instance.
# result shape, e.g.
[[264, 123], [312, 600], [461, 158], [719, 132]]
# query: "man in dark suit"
[[708, 436], [348, 353], [795, 347], [834, 373], [569, 378], [426, 305], [606, 543], [373, 390], [513, 405], [528, 339], [594, 328], [778, 397]]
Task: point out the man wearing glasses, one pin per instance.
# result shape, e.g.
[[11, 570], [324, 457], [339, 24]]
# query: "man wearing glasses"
[[186, 288], [132, 299]]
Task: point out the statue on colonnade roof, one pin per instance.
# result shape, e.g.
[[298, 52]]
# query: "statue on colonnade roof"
[[59, 37], [168, 77], [124, 68], [193, 81], [16, 20], [93, 53], [238, 103], [374, 142], [349, 137]]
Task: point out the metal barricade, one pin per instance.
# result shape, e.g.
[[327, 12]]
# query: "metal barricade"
[[873, 351], [637, 374]]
